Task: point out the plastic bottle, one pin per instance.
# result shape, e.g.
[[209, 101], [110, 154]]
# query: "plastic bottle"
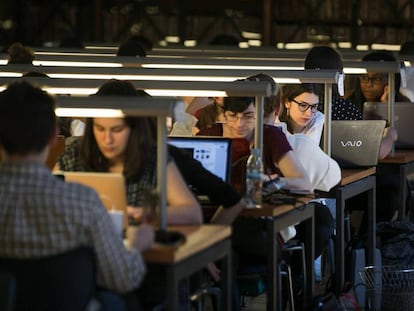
[[254, 170]]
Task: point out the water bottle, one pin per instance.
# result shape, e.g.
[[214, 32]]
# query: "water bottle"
[[254, 170]]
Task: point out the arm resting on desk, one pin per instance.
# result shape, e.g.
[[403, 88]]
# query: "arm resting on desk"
[[226, 216], [390, 136]]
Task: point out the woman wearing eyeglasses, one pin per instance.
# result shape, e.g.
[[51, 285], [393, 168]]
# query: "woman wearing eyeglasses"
[[373, 86], [299, 110]]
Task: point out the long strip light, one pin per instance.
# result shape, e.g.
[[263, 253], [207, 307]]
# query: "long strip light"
[[89, 112], [146, 74], [154, 88]]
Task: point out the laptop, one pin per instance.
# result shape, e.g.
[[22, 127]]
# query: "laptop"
[[356, 144], [214, 153], [109, 186], [403, 120]]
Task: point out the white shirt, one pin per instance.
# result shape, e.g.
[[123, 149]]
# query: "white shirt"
[[323, 171], [313, 129]]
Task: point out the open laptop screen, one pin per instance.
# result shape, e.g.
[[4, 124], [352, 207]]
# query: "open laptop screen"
[[403, 120], [356, 143], [214, 153]]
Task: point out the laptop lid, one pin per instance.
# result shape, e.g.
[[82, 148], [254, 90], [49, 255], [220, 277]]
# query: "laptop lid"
[[356, 143], [109, 186], [403, 120], [214, 153]]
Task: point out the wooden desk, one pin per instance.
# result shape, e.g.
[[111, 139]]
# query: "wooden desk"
[[204, 244], [280, 217], [401, 163], [353, 182]]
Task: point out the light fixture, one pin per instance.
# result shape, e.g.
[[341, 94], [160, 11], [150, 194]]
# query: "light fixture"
[[299, 45], [75, 64], [147, 74], [344, 45], [190, 43], [89, 113], [387, 47], [154, 88], [251, 35], [362, 47]]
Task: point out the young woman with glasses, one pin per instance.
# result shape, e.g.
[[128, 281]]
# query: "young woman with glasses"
[[299, 110]]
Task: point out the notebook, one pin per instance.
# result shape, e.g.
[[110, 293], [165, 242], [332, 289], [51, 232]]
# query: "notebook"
[[214, 154], [403, 120], [356, 143], [109, 186]]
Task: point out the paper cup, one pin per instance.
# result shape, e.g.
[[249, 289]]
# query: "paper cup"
[[118, 221]]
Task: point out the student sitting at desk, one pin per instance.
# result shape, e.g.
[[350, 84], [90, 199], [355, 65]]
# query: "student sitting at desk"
[[279, 160], [300, 110], [373, 86], [239, 113], [327, 58], [200, 112], [43, 216], [191, 170], [118, 145]]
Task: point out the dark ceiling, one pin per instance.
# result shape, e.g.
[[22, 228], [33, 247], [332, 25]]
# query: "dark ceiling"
[[277, 21]]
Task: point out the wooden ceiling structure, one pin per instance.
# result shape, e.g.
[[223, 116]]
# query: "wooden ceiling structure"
[[275, 21]]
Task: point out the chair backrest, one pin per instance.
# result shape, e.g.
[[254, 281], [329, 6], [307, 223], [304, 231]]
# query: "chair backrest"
[[240, 154], [7, 291], [60, 282], [54, 153]]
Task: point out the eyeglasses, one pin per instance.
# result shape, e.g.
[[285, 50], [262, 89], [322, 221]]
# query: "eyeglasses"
[[374, 80], [305, 106], [244, 117]]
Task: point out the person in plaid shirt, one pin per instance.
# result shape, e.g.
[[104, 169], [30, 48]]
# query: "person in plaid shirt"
[[40, 214]]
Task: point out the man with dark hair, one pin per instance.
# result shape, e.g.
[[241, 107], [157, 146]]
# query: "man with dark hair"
[[40, 214]]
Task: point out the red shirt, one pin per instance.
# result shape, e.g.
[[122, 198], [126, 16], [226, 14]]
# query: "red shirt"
[[275, 146]]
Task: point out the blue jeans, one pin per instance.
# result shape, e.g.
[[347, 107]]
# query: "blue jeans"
[[111, 301]]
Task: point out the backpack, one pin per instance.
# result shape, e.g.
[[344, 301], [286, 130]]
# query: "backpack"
[[396, 242]]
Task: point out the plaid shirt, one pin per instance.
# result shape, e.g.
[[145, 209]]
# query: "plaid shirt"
[[41, 215], [70, 161]]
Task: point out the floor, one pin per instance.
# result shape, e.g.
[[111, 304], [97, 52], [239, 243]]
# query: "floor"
[[259, 303]]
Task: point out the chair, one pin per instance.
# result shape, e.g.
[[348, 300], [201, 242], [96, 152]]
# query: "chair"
[[64, 282], [202, 287], [54, 153], [7, 291], [252, 278]]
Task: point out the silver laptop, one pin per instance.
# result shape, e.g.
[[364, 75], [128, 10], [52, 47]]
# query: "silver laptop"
[[356, 143], [403, 120]]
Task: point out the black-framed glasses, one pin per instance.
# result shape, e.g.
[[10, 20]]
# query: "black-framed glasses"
[[244, 117], [379, 79], [305, 106]]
